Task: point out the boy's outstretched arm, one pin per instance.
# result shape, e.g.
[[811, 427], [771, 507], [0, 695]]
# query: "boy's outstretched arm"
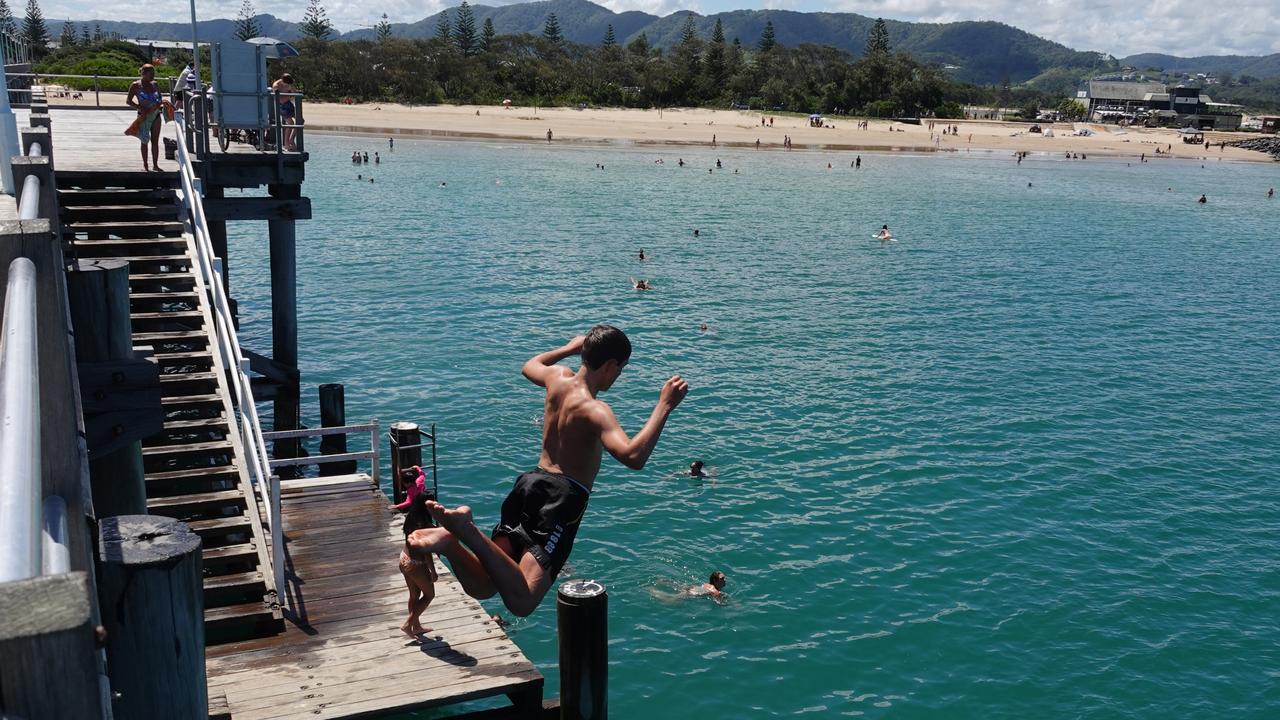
[[540, 367], [634, 452]]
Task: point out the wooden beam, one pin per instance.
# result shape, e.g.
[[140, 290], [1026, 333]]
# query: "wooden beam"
[[257, 208], [47, 633]]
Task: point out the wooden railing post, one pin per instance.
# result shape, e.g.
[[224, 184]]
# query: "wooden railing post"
[[152, 600], [48, 661], [333, 413]]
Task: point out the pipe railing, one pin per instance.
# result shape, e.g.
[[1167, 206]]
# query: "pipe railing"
[[228, 344], [29, 204], [371, 454], [20, 462]]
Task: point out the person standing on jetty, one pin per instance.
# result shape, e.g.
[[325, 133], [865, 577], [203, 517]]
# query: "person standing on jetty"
[[540, 516], [144, 96]]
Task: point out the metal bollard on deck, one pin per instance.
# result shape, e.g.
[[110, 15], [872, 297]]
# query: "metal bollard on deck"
[[406, 451], [582, 611]]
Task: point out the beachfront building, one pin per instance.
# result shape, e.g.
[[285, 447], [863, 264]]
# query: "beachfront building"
[[1156, 104]]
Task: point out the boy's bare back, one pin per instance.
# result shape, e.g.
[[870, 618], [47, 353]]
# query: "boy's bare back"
[[570, 430]]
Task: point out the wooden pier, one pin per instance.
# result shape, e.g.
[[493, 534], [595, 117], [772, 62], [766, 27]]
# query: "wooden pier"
[[342, 653], [325, 643]]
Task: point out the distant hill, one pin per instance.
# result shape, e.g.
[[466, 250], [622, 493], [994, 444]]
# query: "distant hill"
[[1238, 66], [980, 52]]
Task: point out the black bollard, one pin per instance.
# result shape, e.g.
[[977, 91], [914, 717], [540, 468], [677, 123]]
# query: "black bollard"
[[582, 611], [406, 451]]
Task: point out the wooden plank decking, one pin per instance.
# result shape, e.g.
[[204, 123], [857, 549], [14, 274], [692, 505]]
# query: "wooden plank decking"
[[342, 653]]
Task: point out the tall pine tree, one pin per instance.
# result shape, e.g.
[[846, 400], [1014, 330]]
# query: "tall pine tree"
[[551, 30], [315, 23], [877, 41], [85, 39], [640, 46], [246, 25], [34, 30], [715, 56], [382, 31], [768, 40], [68, 37], [609, 39], [8, 25], [487, 35], [464, 30], [443, 31]]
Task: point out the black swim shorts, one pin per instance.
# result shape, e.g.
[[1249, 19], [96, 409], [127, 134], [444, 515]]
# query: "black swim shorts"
[[541, 515]]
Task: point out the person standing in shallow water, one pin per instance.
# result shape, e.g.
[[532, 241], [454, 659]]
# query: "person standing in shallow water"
[[541, 515]]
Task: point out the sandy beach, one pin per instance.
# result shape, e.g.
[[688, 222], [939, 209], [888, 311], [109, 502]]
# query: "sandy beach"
[[686, 127]]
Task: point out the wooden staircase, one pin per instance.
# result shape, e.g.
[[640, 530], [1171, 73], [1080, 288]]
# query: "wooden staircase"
[[194, 468]]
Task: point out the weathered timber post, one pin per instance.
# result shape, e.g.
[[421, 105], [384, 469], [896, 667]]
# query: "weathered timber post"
[[98, 291], [582, 613], [333, 413], [406, 451], [48, 663], [284, 323], [151, 597]]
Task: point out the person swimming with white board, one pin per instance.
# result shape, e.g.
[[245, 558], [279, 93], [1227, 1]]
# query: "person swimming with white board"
[[884, 233]]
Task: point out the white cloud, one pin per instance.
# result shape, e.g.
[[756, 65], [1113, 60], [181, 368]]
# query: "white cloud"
[[1120, 27]]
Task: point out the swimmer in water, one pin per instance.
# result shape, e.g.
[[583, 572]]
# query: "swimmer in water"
[[695, 232], [713, 587], [703, 327], [641, 284], [641, 254], [1271, 193], [1203, 200], [884, 233]]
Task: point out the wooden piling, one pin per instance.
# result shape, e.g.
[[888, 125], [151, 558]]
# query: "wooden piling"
[[582, 618], [406, 451], [333, 413], [48, 663], [151, 598], [98, 292]]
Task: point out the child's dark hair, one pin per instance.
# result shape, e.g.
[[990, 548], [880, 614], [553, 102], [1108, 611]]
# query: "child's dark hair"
[[417, 517], [605, 343]]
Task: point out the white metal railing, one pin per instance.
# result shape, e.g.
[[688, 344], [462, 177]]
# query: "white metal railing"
[[264, 483], [20, 479], [371, 454], [29, 202]]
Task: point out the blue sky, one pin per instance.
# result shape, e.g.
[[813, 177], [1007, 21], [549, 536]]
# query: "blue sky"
[[1119, 27]]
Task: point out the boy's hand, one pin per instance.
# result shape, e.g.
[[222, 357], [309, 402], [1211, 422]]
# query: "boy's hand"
[[673, 391], [575, 345]]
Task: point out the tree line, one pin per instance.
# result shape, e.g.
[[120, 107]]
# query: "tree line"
[[464, 63]]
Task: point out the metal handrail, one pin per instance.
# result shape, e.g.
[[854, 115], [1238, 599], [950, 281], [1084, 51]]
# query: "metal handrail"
[[20, 469], [258, 464], [29, 203], [371, 454]]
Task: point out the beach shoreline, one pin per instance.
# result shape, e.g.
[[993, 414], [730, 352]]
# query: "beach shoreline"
[[703, 129]]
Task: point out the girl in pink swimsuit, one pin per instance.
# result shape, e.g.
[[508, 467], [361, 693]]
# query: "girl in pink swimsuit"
[[418, 568]]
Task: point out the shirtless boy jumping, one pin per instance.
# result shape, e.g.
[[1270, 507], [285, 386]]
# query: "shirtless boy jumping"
[[541, 515]]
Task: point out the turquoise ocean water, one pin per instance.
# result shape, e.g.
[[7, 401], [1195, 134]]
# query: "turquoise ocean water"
[[1021, 463]]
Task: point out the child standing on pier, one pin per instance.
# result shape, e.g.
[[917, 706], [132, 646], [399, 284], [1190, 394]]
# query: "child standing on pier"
[[417, 566]]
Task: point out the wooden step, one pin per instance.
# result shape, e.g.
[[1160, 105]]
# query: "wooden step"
[[201, 424], [193, 359], [188, 401], [167, 315], [180, 506], [204, 473], [126, 179], [170, 336], [170, 259], [185, 279], [179, 296], [220, 526], [169, 380], [238, 580], [242, 621], [227, 554], [122, 229], [115, 196], [110, 247], [213, 447]]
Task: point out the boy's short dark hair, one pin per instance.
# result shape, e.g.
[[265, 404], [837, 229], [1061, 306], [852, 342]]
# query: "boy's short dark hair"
[[605, 343], [717, 575]]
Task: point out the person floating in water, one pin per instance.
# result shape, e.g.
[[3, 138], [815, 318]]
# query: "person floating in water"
[[680, 162], [541, 515], [703, 327], [696, 469], [416, 565], [695, 232], [641, 284], [718, 165], [884, 233], [1271, 193], [713, 587], [1203, 199], [641, 254], [376, 159], [391, 143]]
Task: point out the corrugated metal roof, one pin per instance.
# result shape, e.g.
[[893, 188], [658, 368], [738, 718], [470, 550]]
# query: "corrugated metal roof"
[[1118, 90]]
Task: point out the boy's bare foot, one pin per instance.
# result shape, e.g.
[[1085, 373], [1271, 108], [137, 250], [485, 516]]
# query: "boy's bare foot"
[[407, 629], [436, 540], [456, 521]]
